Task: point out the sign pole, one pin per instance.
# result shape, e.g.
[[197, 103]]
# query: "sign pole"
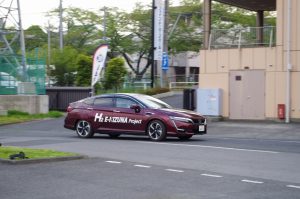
[[152, 48]]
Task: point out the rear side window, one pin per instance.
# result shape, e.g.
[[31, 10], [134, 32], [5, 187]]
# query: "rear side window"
[[104, 102], [124, 103], [88, 101]]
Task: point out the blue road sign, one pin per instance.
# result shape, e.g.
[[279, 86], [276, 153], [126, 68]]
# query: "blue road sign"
[[165, 61]]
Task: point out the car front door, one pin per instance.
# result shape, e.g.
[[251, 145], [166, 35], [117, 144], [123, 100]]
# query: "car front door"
[[127, 119]]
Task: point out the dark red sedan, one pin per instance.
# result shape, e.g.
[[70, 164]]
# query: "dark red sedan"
[[137, 114]]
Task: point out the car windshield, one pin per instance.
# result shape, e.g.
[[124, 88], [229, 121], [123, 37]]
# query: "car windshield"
[[152, 102]]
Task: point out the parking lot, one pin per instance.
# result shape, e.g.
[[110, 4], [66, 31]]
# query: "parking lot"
[[234, 160]]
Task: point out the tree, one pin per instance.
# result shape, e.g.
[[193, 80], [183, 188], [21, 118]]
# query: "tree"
[[35, 37], [115, 73], [185, 27], [133, 31], [82, 31], [65, 66], [84, 70]]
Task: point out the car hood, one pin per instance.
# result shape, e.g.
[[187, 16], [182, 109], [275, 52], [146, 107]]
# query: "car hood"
[[180, 113]]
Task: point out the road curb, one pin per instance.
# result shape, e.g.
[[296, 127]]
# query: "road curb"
[[42, 160]]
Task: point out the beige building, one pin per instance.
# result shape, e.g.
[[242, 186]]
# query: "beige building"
[[255, 75]]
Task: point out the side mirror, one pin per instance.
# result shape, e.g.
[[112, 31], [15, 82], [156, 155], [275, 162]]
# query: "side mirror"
[[136, 108]]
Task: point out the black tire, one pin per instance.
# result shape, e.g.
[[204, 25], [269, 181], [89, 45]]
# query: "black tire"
[[185, 137], [114, 135], [84, 129], [156, 130]]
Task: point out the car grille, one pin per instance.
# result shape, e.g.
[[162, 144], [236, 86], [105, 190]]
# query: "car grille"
[[199, 121]]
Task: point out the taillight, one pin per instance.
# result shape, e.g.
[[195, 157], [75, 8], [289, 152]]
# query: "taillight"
[[69, 109]]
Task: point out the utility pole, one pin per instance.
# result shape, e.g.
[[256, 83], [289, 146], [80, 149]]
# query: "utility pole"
[[11, 33], [49, 52], [61, 42], [104, 24], [49, 43], [22, 42]]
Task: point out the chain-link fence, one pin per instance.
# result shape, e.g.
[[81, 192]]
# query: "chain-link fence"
[[16, 79]]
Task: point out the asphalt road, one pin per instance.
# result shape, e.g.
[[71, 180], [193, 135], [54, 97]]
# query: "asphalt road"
[[235, 160]]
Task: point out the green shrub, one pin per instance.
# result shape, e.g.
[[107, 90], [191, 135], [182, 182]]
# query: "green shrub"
[[154, 91]]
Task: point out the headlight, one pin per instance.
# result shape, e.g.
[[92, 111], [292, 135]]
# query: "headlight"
[[181, 119]]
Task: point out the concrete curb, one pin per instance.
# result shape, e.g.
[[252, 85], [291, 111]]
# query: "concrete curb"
[[42, 160]]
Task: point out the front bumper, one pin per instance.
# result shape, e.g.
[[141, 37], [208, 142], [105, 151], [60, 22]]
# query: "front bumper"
[[191, 127]]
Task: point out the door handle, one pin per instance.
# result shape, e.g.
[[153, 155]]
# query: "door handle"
[[90, 109], [116, 111]]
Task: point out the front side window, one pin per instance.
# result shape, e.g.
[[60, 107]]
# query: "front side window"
[[106, 102]]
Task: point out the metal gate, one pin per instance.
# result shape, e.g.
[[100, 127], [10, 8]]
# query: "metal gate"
[[247, 94], [60, 97]]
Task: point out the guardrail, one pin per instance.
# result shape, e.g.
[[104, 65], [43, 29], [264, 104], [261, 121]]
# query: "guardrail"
[[143, 85], [243, 37]]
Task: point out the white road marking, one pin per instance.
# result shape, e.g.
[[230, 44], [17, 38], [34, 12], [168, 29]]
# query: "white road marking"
[[113, 162], [142, 166], [213, 147], [265, 140], [174, 170], [252, 181], [210, 175], [293, 186]]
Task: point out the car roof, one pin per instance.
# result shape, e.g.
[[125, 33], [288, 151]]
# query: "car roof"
[[119, 95]]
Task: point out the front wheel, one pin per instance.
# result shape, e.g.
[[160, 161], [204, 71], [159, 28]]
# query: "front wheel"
[[156, 130], [83, 129]]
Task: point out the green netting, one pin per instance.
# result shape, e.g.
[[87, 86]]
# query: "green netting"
[[14, 81]]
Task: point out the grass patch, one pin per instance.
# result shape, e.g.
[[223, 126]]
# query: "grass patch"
[[6, 151], [14, 116]]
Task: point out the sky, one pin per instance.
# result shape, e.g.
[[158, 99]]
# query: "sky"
[[33, 11]]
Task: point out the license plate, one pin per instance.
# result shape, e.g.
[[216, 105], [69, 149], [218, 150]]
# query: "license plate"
[[201, 128]]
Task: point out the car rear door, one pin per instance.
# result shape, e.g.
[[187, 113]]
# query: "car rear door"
[[101, 112]]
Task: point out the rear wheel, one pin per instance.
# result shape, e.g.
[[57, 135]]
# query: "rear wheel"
[[83, 129], [156, 130]]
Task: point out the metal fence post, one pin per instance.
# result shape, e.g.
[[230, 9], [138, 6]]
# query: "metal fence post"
[[240, 38], [271, 38]]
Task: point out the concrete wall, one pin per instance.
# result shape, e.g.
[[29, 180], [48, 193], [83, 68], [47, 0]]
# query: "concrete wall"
[[32, 104]]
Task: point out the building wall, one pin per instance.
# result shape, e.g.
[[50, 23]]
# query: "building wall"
[[217, 63]]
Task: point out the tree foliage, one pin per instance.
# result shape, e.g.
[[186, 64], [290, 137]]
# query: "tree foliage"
[[115, 73], [65, 66], [84, 70], [35, 37], [185, 27], [82, 31]]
